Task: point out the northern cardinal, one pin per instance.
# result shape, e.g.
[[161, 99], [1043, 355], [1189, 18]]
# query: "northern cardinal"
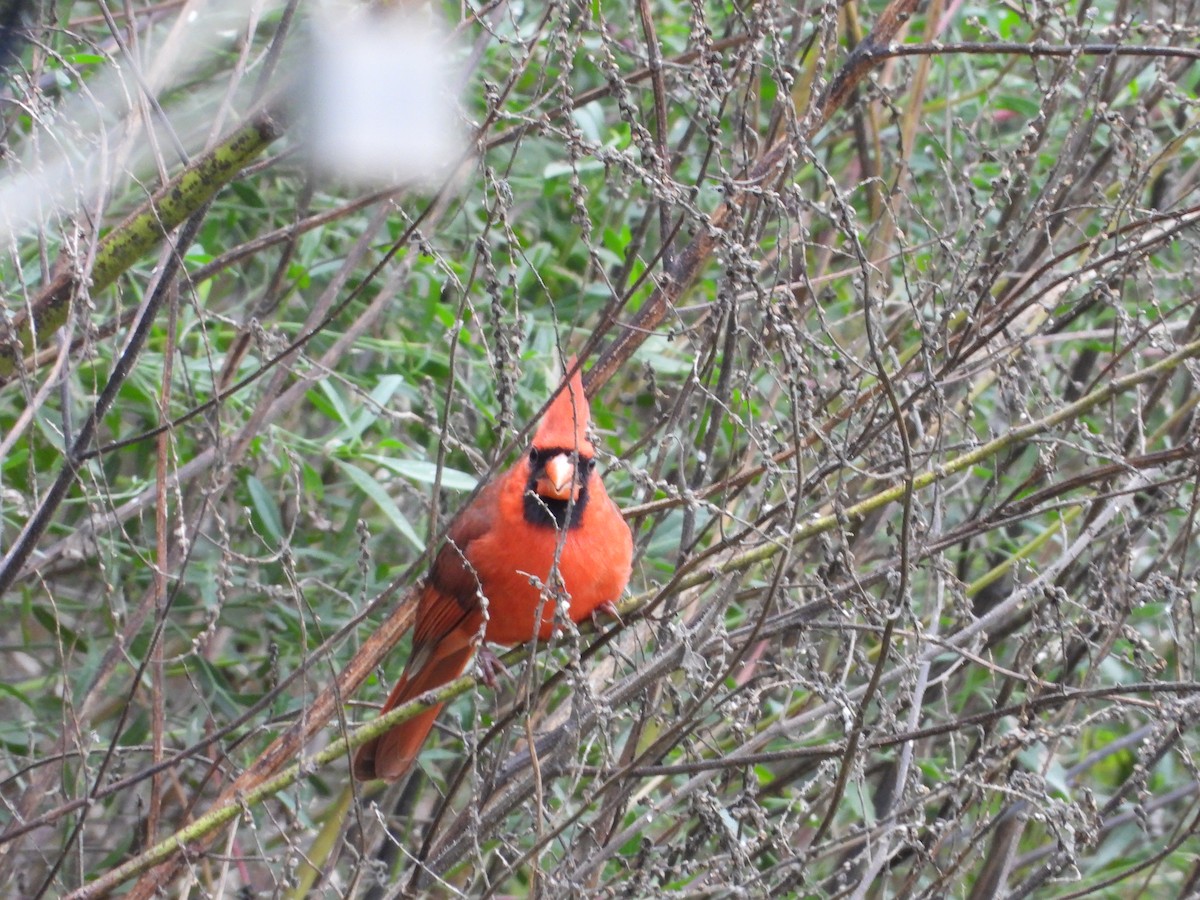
[[543, 527]]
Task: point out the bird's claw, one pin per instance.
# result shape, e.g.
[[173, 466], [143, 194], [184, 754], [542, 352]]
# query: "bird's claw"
[[490, 666], [608, 610]]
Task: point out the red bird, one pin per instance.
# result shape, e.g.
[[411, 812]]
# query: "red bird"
[[546, 523]]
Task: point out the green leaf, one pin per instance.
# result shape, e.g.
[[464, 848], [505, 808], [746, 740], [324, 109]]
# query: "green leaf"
[[375, 491], [426, 472], [12, 691], [386, 388], [336, 403], [1019, 104], [264, 504], [368, 413]]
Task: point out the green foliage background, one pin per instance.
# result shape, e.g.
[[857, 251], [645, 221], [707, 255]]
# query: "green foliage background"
[[971, 282]]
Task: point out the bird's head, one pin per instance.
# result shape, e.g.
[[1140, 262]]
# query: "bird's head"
[[561, 459]]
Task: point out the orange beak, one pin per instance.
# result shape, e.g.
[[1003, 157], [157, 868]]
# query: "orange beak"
[[559, 481]]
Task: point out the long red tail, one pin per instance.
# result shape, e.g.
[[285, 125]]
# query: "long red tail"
[[443, 642]]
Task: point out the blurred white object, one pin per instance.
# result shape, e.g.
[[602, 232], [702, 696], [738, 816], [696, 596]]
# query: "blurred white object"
[[380, 96]]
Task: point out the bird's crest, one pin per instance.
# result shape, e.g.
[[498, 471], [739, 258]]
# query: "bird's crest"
[[564, 426]]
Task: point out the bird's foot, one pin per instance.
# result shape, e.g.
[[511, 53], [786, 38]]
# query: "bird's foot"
[[490, 666], [607, 610]]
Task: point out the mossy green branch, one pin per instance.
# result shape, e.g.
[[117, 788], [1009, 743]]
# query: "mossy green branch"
[[140, 232], [215, 818]]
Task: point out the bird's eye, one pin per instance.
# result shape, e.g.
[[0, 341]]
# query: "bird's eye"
[[589, 464], [533, 455]]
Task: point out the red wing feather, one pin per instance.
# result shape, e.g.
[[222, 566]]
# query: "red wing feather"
[[443, 642]]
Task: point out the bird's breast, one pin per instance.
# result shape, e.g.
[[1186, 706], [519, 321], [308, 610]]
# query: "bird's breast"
[[524, 572]]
